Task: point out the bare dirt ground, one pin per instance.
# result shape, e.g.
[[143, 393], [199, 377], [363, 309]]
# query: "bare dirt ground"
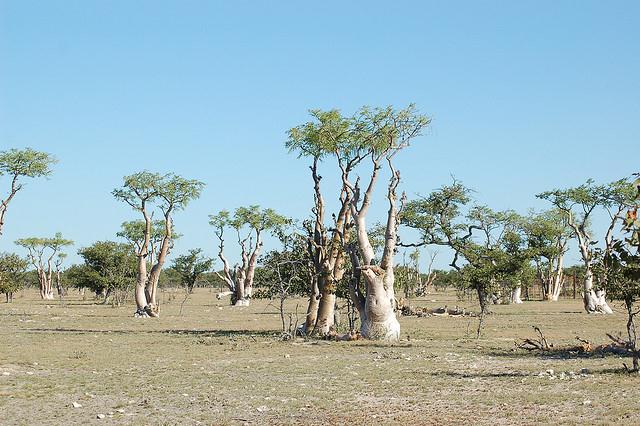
[[217, 364]]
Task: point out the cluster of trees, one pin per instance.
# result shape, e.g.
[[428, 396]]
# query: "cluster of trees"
[[338, 254]]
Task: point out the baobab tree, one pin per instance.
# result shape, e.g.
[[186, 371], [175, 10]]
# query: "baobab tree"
[[250, 224], [578, 205], [147, 192], [17, 164], [379, 133], [41, 252]]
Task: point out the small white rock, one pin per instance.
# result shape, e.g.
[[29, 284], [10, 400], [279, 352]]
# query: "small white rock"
[[586, 402], [101, 416], [76, 405]]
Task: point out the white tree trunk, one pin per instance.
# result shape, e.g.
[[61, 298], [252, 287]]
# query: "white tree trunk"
[[379, 322], [515, 295], [594, 300]]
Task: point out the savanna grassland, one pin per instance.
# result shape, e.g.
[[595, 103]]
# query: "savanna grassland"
[[217, 364]]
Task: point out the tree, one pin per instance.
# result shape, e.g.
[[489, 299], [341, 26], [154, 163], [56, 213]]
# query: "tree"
[[249, 223], [108, 267], [621, 261], [17, 164], [41, 252], [168, 193], [376, 133], [190, 267], [548, 235], [578, 205], [12, 274], [490, 242], [379, 133], [329, 135]]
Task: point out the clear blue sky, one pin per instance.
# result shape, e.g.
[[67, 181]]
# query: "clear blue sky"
[[525, 96]]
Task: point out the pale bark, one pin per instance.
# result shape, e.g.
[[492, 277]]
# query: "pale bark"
[[594, 300], [553, 279], [516, 295], [250, 273], [240, 280], [142, 253], [378, 317], [160, 258], [36, 257]]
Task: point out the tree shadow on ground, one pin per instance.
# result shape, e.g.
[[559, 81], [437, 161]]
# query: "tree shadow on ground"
[[561, 353], [210, 333], [458, 375]]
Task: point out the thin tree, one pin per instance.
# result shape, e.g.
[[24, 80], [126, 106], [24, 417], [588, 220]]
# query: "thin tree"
[[17, 164], [548, 235], [144, 192], [41, 252], [578, 205], [250, 224]]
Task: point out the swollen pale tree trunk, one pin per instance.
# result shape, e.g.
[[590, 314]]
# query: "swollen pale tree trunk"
[[377, 314], [380, 321], [594, 300], [516, 294]]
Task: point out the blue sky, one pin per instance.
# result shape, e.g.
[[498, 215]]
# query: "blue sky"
[[524, 96]]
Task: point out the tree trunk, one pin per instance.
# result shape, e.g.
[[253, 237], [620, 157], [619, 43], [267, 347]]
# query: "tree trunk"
[[594, 300], [141, 281], [554, 281], [325, 325], [312, 308], [515, 295], [379, 322]]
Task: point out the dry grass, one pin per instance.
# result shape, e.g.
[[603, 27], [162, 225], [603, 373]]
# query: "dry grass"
[[222, 365]]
